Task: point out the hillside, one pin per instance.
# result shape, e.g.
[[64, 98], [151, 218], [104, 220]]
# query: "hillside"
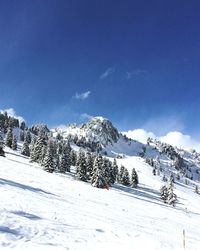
[[40, 210]]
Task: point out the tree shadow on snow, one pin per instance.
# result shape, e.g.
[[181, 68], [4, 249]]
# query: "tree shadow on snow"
[[18, 155], [140, 193], [8, 230], [22, 186], [26, 215]]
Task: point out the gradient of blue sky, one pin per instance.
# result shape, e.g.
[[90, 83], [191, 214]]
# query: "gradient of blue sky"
[[137, 60]]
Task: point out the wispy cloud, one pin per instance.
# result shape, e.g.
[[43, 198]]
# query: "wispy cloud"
[[137, 72], [11, 112], [85, 116], [108, 72], [82, 96]]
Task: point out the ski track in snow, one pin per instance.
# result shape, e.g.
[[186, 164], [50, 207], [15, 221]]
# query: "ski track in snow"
[[52, 211]]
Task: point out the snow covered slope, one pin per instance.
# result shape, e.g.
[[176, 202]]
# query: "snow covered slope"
[[40, 210]]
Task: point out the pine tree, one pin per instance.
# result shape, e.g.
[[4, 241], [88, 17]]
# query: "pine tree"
[[73, 157], [115, 170], [81, 168], [171, 196], [25, 149], [164, 178], [65, 159], [89, 164], [21, 136], [14, 143], [28, 137], [98, 179], [9, 138], [171, 178], [186, 181], [36, 151], [125, 178], [164, 193], [22, 126], [134, 178], [196, 189], [2, 153], [43, 154], [121, 174], [107, 171], [48, 162]]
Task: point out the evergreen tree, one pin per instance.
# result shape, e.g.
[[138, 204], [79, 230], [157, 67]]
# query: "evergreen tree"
[[171, 196], [120, 174], [125, 178], [115, 170], [196, 189], [107, 171], [65, 160], [154, 170], [73, 157], [25, 149], [21, 136], [14, 143], [164, 178], [164, 193], [28, 137], [9, 137], [81, 168], [48, 162], [89, 164], [22, 126], [33, 141], [171, 178], [134, 178], [98, 179], [36, 151], [60, 147], [2, 153], [43, 154]]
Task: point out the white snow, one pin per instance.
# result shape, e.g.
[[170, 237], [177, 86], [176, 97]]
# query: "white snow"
[[40, 210]]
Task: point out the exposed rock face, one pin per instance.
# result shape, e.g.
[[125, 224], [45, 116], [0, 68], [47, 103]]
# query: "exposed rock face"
[[95, 134], [102, 130]]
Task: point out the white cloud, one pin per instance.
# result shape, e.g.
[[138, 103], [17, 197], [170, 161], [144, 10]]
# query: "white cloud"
[[140, 135], [83, 96], [85, 116], [178, 139], [108, 72], [174, 138], [136, 72], [11, 112]]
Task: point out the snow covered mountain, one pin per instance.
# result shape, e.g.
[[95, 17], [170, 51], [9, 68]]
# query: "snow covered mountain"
[[41, 210], [98, 131]]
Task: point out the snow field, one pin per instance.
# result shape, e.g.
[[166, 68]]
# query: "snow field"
[[53, 211]]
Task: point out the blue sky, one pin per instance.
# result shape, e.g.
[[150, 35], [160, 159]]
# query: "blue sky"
[[134, 62]]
